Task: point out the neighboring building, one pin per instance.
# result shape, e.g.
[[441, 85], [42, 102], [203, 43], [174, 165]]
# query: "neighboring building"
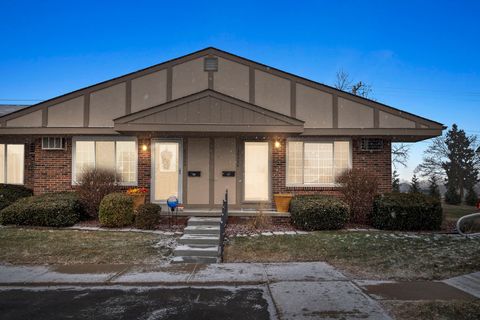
[[9, 108], [200, 124]]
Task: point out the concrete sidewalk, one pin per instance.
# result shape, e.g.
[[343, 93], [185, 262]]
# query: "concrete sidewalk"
[[179, 274], [296, 290]]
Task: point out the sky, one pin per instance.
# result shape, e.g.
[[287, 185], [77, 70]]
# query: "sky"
[[419, 56]]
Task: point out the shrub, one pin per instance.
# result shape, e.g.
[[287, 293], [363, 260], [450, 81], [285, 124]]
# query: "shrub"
[[318, 212], [359, 189], [407, 211], [116, 210], [148, 216], [261, 220], [48, 210], [10, 193], [93, 186]]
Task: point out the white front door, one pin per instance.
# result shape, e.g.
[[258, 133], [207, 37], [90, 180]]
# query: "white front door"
[[257, 172], [167, 170]]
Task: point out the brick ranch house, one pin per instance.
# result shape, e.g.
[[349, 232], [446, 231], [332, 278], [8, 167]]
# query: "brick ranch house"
[[202, 123]]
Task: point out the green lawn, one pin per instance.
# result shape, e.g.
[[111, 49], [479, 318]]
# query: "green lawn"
[[453, 213], [367, 255], [49, 246]]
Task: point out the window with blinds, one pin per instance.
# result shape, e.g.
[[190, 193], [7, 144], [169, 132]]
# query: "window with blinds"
[[316, 163]]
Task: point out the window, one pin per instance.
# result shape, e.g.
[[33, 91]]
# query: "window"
[[12, 160], [118, 155], [316, 163]]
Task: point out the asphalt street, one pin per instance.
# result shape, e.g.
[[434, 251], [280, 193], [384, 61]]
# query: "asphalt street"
[[134, 303]]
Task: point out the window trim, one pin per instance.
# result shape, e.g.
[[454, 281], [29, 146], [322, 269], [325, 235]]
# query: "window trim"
[[105, 138], [318, 140], [5, 166]]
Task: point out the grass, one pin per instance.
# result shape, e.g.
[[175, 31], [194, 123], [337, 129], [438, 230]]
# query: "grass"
[[47, 246], [367, 255], [453, 213], [435, 310]]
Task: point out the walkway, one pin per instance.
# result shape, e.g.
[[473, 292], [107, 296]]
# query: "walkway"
[[288, 290]]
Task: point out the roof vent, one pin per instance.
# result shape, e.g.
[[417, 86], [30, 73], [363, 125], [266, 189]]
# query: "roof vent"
[[371, 144], [211, 64]]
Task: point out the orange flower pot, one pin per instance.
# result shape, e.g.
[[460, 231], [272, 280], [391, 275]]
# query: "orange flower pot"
[[138, 200], [282, 201]]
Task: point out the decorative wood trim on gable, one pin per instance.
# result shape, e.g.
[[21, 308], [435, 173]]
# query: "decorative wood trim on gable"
[[208, 111]]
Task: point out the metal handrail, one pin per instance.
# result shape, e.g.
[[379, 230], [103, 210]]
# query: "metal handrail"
[[462, 219], [223, 223]]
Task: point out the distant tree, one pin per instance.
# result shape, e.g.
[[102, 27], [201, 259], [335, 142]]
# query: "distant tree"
[[453, 158], [395, 181], [452, 196], [400, 154], [344, 82], [433, 189], [362, 89], [414, 185], [472, 197]]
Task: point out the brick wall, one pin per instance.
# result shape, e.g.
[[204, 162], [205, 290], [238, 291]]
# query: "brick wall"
[[377, 163], [52, 168], [144, 164], [49, 171]]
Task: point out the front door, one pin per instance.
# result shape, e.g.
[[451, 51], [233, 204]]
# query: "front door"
[[167, 170]]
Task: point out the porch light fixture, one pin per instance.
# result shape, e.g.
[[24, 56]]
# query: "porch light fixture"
[[144, 147], [277, 144]]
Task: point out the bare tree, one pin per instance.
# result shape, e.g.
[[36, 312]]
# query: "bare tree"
[[362, 89], [433, 159], [344, 82], [400, 154]]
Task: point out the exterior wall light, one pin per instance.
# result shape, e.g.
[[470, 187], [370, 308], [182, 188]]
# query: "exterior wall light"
[[277, 144], [144, 147]]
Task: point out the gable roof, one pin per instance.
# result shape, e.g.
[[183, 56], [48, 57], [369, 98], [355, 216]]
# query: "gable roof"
[[208, 111], [429, 128]]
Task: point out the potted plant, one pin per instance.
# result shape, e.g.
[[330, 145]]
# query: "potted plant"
[[138, 195], [282, 201]]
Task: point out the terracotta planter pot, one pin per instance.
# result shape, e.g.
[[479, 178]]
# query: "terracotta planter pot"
[[138, 200], [282, 201]]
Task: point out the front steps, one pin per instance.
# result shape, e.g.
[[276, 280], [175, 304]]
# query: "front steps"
[[200, 241]]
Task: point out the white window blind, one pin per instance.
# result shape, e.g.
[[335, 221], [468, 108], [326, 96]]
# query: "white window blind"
[[316, 163], [12, 162], [119, 156]]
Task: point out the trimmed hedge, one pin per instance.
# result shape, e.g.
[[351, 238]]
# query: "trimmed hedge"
[[406, 211], [10, 193], [47, 210], [148, 216], [318, 212], [116, 210]]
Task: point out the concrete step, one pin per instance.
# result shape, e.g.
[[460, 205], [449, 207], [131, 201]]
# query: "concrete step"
[[196, 239], [203, 221], [205, 230], [196, 251], [203, 260]]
